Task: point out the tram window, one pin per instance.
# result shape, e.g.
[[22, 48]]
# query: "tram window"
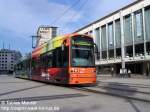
[[43, 61], [65, 57], [49, 59], [55, 58], [36, 63], [59, 57], [54, 63]]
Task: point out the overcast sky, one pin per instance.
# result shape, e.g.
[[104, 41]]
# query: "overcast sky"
[[19, 19]]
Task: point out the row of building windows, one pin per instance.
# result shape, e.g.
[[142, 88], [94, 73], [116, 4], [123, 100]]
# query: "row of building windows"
[[137, 31], [108, 31], [6, 57], [108, 36], [6, 64], [3, 58], [5, 61], [4, 54], [6, 68]]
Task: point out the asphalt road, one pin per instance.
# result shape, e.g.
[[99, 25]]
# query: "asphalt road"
[[19, 95]]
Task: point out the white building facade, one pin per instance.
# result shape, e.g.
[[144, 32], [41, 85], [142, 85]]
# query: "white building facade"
[[45, 33], [123, 38]]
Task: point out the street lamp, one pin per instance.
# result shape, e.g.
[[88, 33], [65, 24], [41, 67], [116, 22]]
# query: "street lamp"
[[35, 39], [123, 70]]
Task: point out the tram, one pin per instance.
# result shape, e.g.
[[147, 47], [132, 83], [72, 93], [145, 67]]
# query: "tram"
[[68, 59]]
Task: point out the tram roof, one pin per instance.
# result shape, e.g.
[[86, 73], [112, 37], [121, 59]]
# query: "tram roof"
[[51, 44]]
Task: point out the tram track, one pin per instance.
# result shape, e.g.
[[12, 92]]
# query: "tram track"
[[120, 91], [123, 89], [117, 92]]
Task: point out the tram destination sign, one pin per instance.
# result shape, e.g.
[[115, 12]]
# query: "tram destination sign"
[[82, 41]]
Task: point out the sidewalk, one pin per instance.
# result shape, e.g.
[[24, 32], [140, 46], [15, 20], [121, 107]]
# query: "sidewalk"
[[109, 76], [134, 88]]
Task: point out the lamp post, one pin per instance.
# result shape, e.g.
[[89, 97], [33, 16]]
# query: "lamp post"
[[35, 38], [123, 69]]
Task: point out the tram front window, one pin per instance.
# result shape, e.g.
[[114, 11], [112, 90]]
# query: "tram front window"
[[82, 56]]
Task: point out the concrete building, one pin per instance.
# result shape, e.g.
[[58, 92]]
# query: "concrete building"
[[45, 33], [123, 39], [8, 58]]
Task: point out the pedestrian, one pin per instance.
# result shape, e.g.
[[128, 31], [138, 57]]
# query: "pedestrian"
[[129, 73], [112, 71], [121, 73]]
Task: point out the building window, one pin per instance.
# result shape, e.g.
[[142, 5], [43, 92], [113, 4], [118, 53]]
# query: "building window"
[[110, 35], [54, 32], [147, 28], [97, 37], [138, 27], [104, 54], [147, 22], [117, 33], [128, 30], [103, 38]]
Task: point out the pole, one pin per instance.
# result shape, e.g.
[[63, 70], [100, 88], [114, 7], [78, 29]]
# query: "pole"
[[122, 45]]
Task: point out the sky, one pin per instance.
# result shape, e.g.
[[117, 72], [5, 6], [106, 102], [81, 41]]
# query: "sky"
[[20, 19]]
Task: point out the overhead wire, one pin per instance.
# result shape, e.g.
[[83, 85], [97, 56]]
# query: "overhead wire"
[[64, 12], [74, 15]]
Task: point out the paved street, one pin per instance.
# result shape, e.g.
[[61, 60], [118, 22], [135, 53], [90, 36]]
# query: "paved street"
[[132, 88], [51, 98]]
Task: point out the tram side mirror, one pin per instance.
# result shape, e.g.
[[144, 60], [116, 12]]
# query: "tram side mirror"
[[62, 47]]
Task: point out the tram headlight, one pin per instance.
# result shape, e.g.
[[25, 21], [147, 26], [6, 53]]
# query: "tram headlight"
[[74, 71], [94, 71]]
